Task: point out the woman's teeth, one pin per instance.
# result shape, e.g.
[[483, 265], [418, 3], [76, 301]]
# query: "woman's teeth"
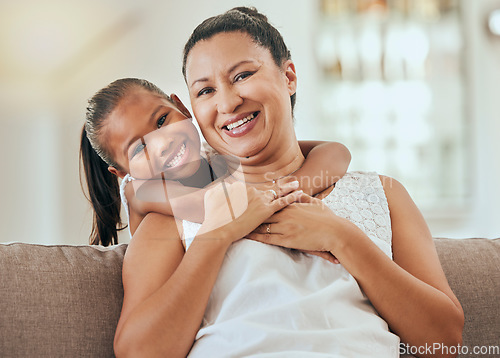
[[242, 121], [177, 157]]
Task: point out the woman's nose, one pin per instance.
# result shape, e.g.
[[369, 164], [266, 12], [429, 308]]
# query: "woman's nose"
[[228, 99]]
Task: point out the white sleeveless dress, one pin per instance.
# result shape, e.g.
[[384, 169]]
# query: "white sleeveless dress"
[[274, 302]]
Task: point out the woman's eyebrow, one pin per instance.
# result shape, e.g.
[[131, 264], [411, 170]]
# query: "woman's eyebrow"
[[204, 79], [239, 64], [231, 69]]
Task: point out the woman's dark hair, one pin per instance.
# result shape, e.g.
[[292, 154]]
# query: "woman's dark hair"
[[247, 20], [103, 187]]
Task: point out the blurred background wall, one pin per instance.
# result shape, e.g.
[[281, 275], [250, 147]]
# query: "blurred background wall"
[[55, 54]]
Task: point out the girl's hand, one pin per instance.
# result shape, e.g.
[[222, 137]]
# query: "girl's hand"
[[234, 210], [309, 226]]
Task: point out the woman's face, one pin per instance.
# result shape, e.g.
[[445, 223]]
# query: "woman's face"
[[239, 96], [148, 136]]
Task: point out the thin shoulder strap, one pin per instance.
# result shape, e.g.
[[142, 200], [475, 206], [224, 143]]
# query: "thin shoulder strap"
[[126, 179]]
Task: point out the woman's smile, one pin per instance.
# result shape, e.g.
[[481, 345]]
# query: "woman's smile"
[[237, 127], [241, 97]]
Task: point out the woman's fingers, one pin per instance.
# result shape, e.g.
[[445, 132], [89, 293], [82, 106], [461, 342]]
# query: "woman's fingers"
[[264, 237], [283, 186], [261, 234], [267, 228], [271, 194], [287, 187], [286, 200], [307, 199], [323, 254], [285, 180]]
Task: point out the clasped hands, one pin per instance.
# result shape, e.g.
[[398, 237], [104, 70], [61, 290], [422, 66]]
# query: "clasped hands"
[[283, 216], [304, 225]]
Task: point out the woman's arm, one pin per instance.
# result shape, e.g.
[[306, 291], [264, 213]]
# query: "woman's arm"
[[411, 293], [325, 164], [166, 290]]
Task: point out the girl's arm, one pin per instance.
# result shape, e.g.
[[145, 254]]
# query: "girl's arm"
[[172, 198], [166, 197], [307, 145], [325, 164], [166, 290]]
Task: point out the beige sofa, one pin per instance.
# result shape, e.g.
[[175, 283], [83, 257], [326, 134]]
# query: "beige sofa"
[[64, 301]]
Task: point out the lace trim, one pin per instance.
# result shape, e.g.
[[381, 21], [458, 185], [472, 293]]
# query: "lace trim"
[[360, 198]]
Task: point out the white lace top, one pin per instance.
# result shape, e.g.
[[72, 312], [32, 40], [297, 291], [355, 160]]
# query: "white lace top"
[[274, 302]]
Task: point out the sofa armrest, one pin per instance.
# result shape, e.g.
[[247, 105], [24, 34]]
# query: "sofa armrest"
[[472, 267]]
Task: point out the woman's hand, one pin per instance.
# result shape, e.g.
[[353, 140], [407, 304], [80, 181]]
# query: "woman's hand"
[[309, 226], [234, 210]]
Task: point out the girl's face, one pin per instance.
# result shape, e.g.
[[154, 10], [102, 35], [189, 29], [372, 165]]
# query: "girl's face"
[[240, 97], [148, 135]]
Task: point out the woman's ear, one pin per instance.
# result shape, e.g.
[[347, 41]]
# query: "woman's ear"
[[116, 172], [291, 76], [180, 105]]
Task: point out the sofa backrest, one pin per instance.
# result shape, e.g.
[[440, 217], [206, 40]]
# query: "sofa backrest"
[[65, 301]]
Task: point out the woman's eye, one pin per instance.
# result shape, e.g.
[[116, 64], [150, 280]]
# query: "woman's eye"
[[205, 91], [161, 121], [242, 76]]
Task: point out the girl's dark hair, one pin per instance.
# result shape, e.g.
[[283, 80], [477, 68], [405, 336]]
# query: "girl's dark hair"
[[104, 195], [247, 20], [103, 187]]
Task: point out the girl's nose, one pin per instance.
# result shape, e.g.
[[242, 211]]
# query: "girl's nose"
[[159, 148], [228, 99]]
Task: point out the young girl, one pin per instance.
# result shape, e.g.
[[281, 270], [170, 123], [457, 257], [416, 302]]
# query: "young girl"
[[134, 131]]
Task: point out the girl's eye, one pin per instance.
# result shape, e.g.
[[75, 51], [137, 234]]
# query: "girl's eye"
[[204, 91], [242, 76], [139, 148], [161, 121]]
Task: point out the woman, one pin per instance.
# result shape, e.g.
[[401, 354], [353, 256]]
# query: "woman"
[[242, 86]]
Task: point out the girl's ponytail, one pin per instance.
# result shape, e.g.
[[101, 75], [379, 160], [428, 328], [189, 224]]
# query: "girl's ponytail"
[[104, 195], [103, 188]]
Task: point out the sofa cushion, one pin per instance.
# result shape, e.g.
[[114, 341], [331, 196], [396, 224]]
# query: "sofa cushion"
[[472, 267], [59, 301]]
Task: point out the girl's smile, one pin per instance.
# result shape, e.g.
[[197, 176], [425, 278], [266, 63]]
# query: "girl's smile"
[[158, 140], [178, 157]]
